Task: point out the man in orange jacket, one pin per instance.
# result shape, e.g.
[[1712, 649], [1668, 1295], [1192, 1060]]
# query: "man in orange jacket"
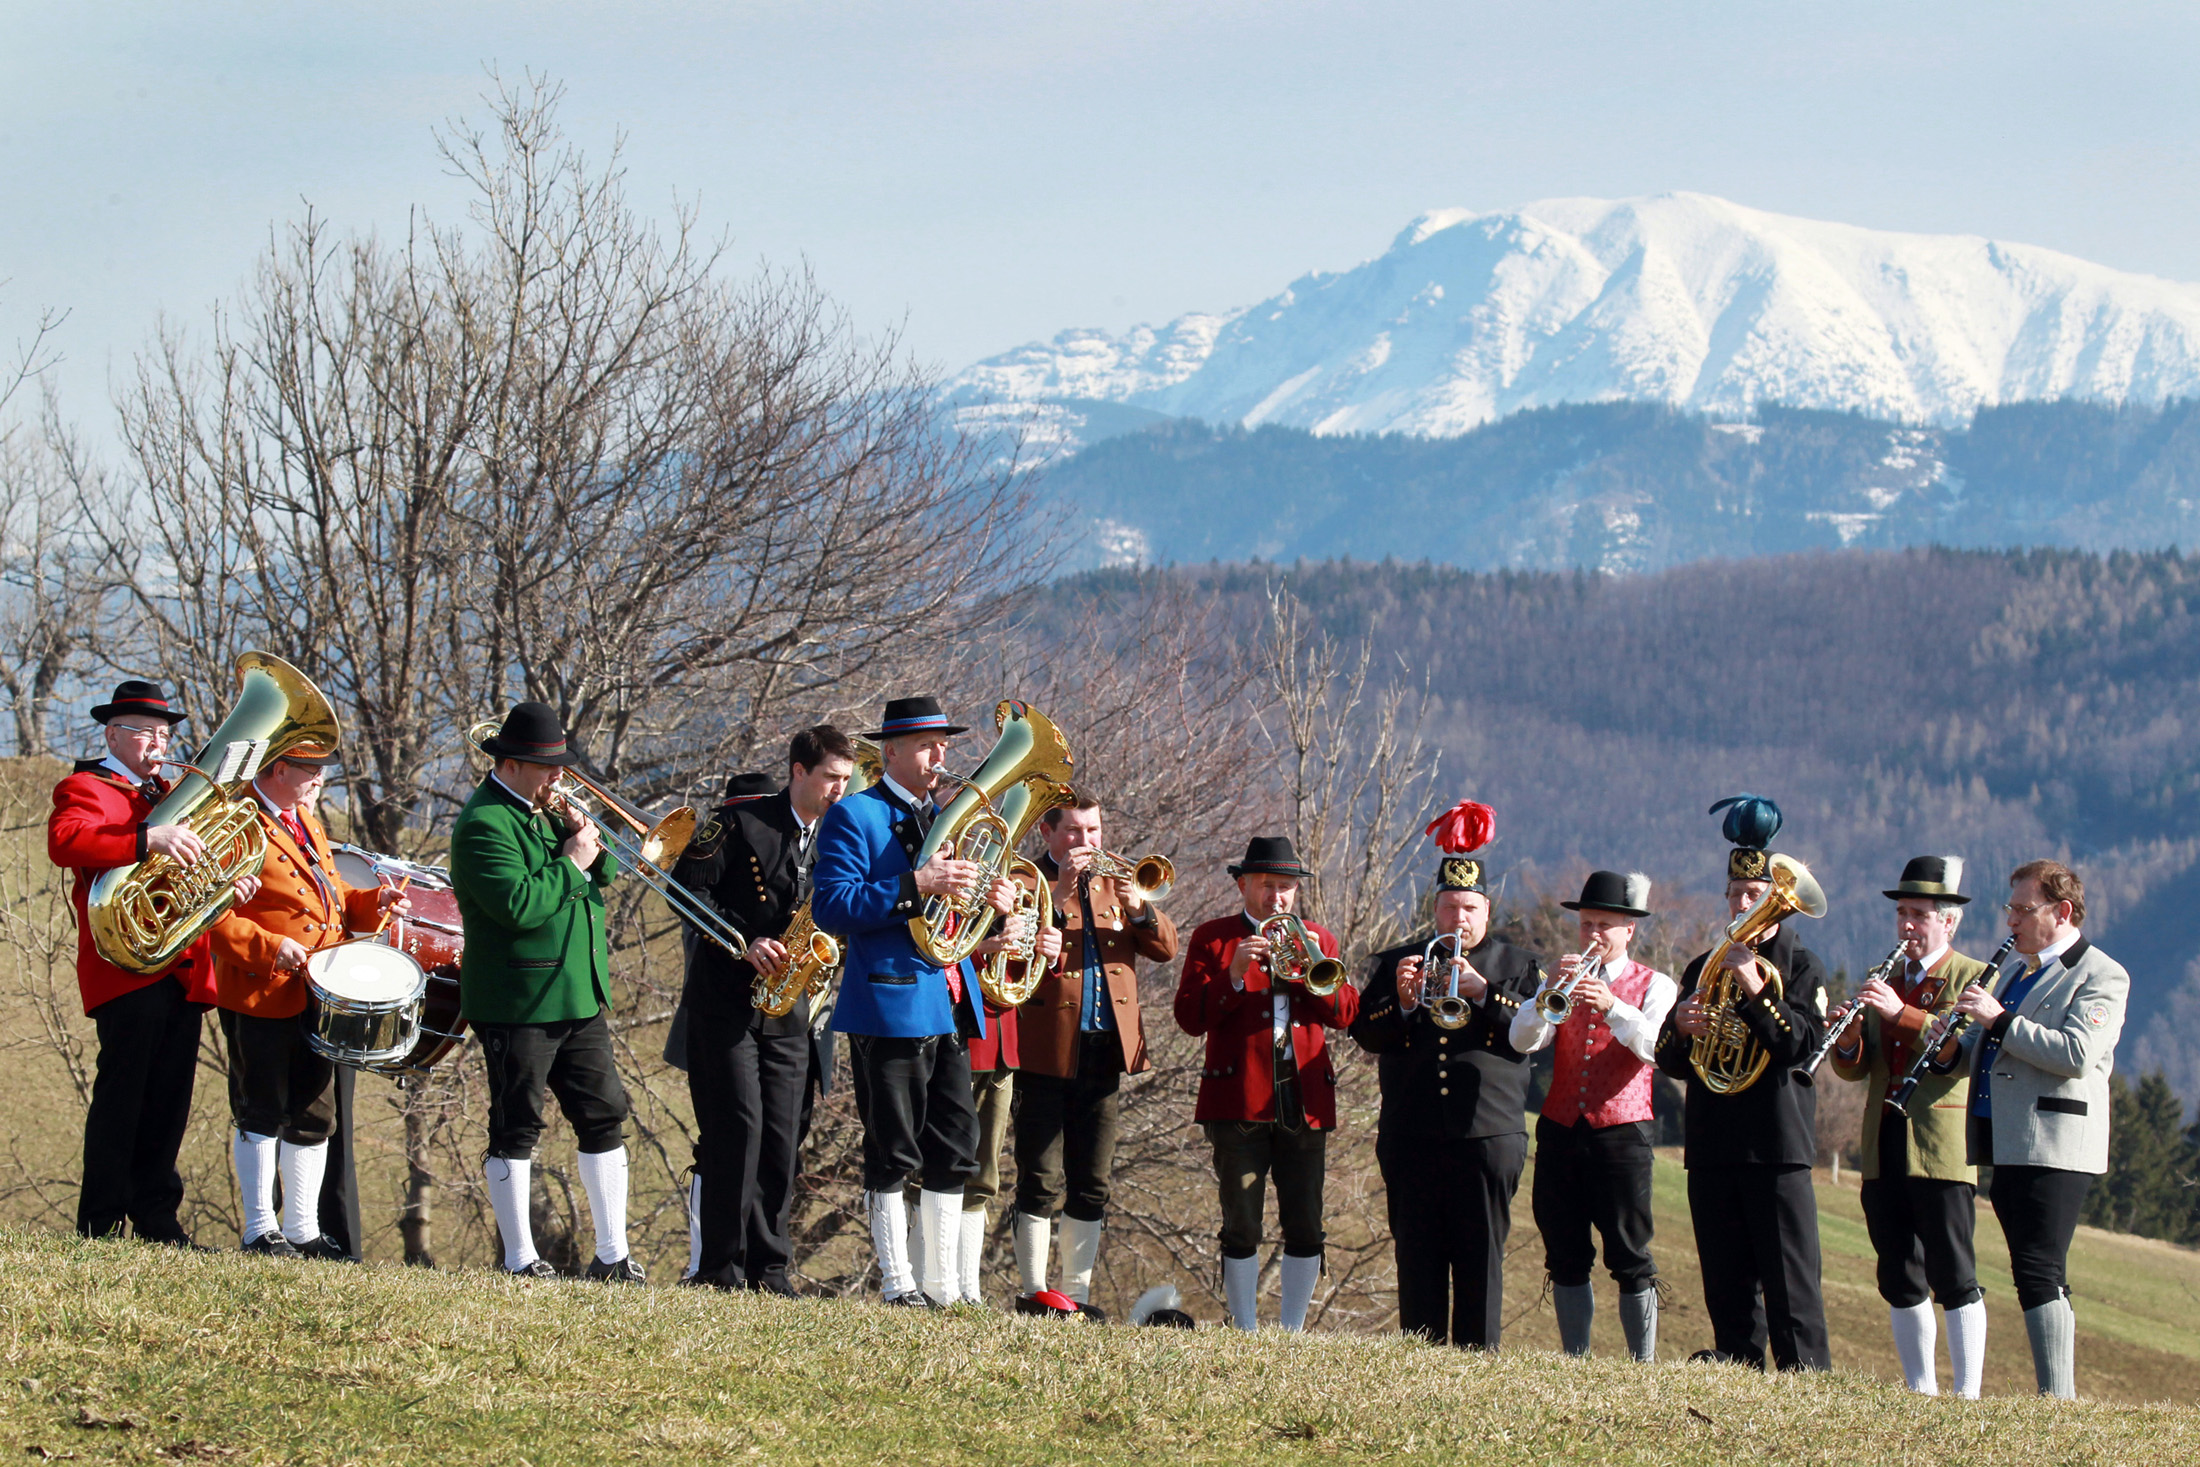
[[148, 1023], [281, 1093]]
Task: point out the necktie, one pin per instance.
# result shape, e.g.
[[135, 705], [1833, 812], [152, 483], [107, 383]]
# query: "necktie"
[[1915, 971]]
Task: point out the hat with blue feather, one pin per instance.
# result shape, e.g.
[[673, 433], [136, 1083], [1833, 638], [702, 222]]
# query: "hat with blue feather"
[[1751, 823]]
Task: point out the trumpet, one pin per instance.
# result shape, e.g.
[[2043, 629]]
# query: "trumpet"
[[1898, 1099], [1150, 877], [1554, 1003], [1806, 1073], [644, 846], [1295, 957], [1449, 1010]]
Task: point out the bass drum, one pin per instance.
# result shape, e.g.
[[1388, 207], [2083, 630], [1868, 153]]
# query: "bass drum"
[[433, 936]]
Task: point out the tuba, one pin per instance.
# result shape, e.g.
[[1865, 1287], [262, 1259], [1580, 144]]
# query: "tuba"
[[1026, 775], [145, 914], [1295, 957], [1726, 1056], [812, 956], [993, 973]]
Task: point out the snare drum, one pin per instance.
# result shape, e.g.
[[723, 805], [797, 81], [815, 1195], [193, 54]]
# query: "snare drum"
[[433, 934], [365, 1008]]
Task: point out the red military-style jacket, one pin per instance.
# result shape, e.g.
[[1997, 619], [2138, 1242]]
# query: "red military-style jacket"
[[98, 823], [1239, 1081]]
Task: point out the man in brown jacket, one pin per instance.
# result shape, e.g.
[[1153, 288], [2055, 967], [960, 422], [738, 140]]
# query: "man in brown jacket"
[[1080, 1034]]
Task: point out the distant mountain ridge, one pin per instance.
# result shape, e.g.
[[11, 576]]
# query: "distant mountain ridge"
[[1680, 298]]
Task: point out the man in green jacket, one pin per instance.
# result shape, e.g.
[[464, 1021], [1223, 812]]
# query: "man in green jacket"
[[1919, 1193], [534, 981]]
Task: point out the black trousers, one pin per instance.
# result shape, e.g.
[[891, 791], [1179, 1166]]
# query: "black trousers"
[[277, 1085], [572, 1059], [1247, 1155], [141, 1106], [919, 1118], [1589, 1177], [1920, 1228], [751, 1092], [2038, 1209], [1450, 1207], [1066, 1132], [1757, 1242]]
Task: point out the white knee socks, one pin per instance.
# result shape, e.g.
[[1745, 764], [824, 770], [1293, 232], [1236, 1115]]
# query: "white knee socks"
[[603, 1177], [1967, 1347], [1299, 1277], [890, 1241], [508, 1197], [939, 1221], [254, 1157], [1031, 1253], [1913, 1342], [970, 1255], [1080, 1247], [1241, 1290], [303, 1168]]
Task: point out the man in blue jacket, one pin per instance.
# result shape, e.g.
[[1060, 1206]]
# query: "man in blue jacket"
[[907, 1020]]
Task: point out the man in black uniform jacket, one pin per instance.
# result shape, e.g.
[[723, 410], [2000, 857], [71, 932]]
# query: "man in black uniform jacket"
[[751, 1074], [1749, 1152], [1453, 1136]]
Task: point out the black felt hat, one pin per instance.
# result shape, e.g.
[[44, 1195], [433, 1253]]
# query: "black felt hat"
[[135, 695], [1270, 855], [531, 734], [1934, 877], [1627, 894], [914, 715], [750, 787]]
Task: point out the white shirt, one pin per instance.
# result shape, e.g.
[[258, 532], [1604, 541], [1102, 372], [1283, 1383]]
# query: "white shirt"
[[2051, 952], [1279, 1004], [515, 794], [1927, 963], [111, 762], [914, 802], [1633, 1027], [807, 827]]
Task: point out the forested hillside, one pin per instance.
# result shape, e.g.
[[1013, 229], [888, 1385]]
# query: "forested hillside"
[[1640, 487], [1994, 705]]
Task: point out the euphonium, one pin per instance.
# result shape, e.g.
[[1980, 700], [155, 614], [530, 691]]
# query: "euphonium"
[[1151, 878], [1295, 957], [1447, 1010], [993, 971], [1726, 1056], [1026, 775], [144, 914]]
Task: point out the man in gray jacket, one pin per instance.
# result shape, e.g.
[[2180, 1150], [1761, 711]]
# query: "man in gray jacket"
[[2041, 1044]]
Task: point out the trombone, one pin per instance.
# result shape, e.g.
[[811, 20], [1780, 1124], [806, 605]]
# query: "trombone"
[[645, 847]]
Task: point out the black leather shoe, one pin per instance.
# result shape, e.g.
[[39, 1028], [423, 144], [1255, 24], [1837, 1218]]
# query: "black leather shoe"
[[775, 1286], [324, 1249], [1093, 1312], [909, 1301], [625, 1271], [541, 1268], [274, 1245]]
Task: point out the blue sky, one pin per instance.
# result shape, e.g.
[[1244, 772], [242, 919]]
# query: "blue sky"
[[984, 173]]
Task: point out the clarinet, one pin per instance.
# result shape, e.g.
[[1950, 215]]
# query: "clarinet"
[[1806, 1073], [1898, 1099]]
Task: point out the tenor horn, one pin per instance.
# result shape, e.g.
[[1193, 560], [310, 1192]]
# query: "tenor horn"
[[1726, 1056]]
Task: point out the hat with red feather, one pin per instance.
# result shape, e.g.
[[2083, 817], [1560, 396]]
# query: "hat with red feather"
[[1464, 828]]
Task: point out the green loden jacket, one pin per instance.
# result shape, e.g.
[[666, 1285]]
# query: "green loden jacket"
[[536, 950], [1937, 1139]]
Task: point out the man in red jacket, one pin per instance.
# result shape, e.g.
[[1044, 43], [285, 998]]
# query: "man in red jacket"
[[1268, 1095], [148, 1025]]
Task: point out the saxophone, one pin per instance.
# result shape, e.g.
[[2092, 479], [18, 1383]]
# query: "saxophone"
[[813, 957], [144, 915]]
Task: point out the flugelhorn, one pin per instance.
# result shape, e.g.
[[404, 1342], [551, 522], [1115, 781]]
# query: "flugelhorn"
[[644, 846], [144, 914], [1295, 957], [1447, 1010], [1806, 1073], [1726, 1056], [1898, 1099], [1150, 877]]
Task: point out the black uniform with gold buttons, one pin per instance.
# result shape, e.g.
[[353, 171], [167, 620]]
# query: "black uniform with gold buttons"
[[753, 1076], [1453, 1137]]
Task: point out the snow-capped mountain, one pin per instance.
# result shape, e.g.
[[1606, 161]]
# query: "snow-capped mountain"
[[1680, 298]]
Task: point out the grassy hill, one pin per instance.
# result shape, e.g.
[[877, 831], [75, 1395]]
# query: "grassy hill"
[[122, 1353]]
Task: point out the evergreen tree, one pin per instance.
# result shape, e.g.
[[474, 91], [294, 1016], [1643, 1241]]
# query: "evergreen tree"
[[2150, 1159]]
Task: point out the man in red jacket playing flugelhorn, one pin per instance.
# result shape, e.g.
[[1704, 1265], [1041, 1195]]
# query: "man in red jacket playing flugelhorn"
[[1268, 1096]]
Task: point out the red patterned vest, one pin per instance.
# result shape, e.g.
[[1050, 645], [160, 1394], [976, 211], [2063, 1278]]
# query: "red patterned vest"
[[1593, 1074]]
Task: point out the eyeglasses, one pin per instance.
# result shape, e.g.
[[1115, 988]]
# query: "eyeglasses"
[[155, 731], [2026, 910]]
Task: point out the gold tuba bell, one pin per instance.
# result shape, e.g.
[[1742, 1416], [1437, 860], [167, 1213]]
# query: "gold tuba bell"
[[145, 914], [1026, 775], [1726, 1056]]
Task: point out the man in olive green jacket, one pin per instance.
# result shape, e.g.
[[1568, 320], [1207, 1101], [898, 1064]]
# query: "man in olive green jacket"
[[535, 981], [1920, 1194]]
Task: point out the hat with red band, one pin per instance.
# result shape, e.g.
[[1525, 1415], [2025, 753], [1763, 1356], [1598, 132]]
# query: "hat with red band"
[[135, 695]]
